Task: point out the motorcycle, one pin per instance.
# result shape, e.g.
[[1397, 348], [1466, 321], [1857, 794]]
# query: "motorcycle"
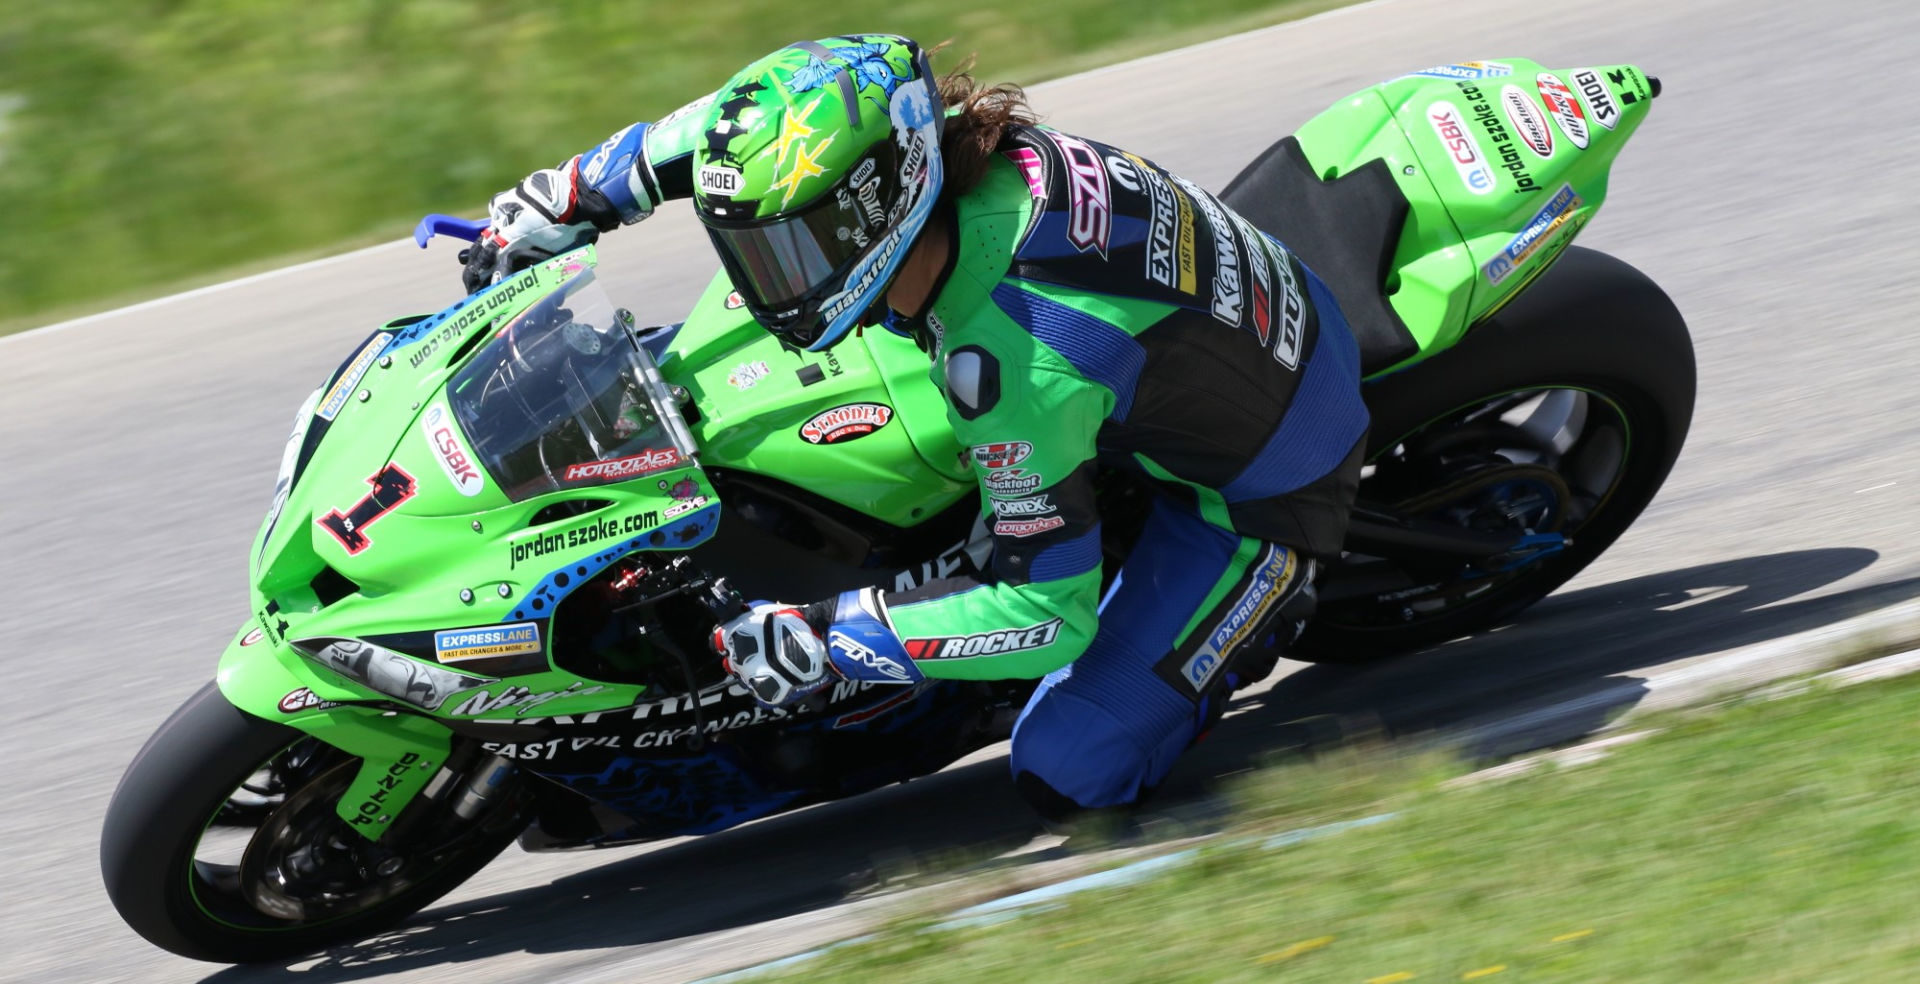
[[502, 534]]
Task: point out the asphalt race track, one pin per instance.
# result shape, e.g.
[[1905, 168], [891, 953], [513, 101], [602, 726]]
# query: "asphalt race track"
[[1770, 191]]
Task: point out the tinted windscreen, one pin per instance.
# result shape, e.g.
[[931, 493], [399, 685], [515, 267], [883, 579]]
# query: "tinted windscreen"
[[558, 399]]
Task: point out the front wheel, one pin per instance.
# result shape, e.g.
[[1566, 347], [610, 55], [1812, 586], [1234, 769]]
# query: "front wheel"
[[1559, 417], [221, 842]]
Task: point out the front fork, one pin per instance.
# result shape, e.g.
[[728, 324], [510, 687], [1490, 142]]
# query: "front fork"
[[401, 755]]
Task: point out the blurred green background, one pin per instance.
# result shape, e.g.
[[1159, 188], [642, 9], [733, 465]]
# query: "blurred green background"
[[175, 141]]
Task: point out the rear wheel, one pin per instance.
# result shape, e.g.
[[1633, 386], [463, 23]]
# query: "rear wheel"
[[221, 842], [1561, 415]]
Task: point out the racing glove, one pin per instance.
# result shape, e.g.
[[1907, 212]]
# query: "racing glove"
[[784, 654], [554, 210]]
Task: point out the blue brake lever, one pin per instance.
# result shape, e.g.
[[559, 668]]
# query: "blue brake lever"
[[448, 225]]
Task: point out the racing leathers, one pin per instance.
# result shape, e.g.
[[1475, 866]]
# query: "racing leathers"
[[1098, 312]]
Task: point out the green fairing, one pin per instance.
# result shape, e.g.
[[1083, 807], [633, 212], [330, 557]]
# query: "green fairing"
[[905, 471], [444, 559], [1438, 288]]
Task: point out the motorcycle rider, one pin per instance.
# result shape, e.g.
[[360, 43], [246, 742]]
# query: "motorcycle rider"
[[1084, 309]]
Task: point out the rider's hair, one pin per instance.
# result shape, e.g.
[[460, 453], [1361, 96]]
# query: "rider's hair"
[[971, 137]]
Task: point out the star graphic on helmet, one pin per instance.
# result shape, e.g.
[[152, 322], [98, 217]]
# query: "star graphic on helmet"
[[793, 127], [804, 167]]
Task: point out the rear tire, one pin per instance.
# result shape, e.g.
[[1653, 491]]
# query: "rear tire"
[[175, 788], [1590, 323]]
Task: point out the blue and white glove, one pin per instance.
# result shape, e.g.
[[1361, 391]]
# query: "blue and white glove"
[[774, 652], [554, 210], [782, 656]]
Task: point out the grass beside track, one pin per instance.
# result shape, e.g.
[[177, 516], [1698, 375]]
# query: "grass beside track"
[[151, 145], [1775, 841]]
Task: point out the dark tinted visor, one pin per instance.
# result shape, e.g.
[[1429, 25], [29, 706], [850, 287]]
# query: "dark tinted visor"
[[776, 264]]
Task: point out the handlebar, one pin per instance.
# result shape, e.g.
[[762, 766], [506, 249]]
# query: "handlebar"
[[447, 225]]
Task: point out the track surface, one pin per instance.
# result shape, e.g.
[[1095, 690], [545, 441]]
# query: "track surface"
[[1772, 203]]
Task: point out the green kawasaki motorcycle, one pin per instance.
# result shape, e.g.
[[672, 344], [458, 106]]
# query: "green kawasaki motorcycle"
[[502, 534]]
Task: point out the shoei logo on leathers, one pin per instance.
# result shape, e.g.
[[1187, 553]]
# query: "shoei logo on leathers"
[[985, 643]]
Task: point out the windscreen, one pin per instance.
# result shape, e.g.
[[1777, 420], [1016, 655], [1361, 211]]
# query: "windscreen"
[[562, 398]]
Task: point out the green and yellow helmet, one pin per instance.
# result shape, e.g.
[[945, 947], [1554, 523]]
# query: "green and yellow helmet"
[[820, 167]]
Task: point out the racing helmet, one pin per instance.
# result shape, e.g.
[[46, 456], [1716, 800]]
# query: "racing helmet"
[[819, 169]]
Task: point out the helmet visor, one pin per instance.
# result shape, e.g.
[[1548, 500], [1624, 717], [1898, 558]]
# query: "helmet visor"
[[776, 264]]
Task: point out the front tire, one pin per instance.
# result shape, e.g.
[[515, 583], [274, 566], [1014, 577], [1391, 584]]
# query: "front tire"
[[182, 784], [1592, 326]]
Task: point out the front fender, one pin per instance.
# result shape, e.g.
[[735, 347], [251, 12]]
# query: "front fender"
[[399, 752]]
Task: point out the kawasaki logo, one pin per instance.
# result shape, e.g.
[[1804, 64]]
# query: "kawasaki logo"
[[986, 643]]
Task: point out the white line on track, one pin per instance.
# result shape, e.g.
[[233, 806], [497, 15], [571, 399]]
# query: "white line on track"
[[99, 316]]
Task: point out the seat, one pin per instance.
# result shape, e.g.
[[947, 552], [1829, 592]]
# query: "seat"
[[1346, 230]]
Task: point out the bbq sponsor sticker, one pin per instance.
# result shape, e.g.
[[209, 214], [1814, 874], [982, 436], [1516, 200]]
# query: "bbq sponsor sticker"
[[1566, 110], [1451, 127], [486, 642], [1528, 121], [631, 466], [847, 422]]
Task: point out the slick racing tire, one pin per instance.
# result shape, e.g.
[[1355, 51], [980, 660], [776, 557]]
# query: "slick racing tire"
[[182, 785], [1592, 332]]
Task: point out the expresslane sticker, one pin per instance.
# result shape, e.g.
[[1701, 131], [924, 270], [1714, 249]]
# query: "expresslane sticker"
[[486, 642]]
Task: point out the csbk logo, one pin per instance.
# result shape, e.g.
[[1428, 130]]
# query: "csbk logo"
[[985, 643], [1564, 108], [1001, 455], [454, 459], [845, 423], [1451, 128], [1528, 121]]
